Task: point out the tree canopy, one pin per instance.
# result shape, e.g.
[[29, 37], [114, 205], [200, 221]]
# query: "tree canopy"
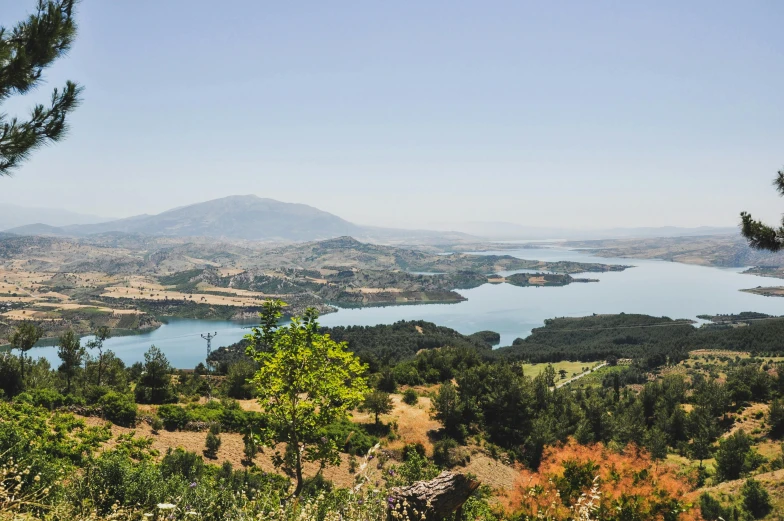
[[306, 381]]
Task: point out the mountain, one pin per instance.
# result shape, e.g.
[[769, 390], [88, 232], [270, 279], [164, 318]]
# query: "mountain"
[[12, 216], [237, 217], [41, 229], [512, 231]]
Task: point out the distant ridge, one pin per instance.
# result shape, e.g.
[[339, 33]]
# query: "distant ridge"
[[511, 231], [249, 217], [13, 216], [238, 217]]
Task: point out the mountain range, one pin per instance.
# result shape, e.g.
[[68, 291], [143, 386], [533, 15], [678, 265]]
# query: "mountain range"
[[248, 217], [12, 216], [499, 230]]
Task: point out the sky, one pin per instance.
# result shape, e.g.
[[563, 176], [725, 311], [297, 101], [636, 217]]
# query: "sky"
[[570, 113]]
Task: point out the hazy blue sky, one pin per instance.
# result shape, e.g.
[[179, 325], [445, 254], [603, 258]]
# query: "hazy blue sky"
[[403, 113]]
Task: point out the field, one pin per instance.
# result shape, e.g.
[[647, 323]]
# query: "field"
[[570, 368]]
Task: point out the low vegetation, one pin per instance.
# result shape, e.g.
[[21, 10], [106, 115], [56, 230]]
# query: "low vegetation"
[[652, 430]]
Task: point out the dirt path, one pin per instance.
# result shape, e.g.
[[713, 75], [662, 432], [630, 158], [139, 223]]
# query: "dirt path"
[[586, 373]]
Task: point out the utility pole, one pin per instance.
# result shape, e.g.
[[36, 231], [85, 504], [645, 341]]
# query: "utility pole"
[[208, 337]]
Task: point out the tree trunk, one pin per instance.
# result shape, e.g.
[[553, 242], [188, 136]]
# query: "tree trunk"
[[100, 366], [437, 498], [298, 490]]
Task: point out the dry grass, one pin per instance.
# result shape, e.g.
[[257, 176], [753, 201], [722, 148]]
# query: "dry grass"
[[747, 420]]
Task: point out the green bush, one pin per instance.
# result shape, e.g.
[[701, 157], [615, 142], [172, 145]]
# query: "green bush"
[[756, 500], [410, 397], [212, 445], [351, 438], [448, 453], [47, 398], [118, 408], [174, 417], [179, 462]]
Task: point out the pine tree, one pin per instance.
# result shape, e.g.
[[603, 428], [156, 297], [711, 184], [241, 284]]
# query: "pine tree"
[[23, 339], [25, 51], [760, 235], [71, 352]]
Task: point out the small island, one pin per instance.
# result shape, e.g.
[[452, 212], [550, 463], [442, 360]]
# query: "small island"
[[543, 279]]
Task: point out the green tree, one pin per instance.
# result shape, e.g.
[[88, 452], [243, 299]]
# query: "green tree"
[[732, 455], [114, 373], [101, 334], [238, 379], [71, 352], [10, 376], [756, 500], [213, 442], [305, 382], [703, 430], [378, 402], [250, 448], [24, 338], [776, 419], [25, 51], [549, 375], [155, 381], [656, 443], [447, 408]]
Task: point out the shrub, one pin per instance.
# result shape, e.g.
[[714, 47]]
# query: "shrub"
[[173, 417], [350, 437], [238, 374], [156, 424], [47, 398], [182, 463], [212, 445], [250, 449], [410, 397], [387, 382], [756, 500], [118, 408], [711, 509], [447, 453]]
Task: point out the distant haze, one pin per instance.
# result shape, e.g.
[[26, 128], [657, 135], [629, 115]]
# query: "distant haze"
[[12, 215], [249, 217], [541, 114]]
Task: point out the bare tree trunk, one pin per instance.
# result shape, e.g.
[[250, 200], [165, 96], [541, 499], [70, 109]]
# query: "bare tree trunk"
[[437, 498]]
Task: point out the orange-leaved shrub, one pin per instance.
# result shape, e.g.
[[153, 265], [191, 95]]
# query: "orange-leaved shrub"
[[595, 482]]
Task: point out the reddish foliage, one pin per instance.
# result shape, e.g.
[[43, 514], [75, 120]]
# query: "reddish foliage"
[[629, 483]]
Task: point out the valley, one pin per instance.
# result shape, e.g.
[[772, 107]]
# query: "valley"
[[131, 282]]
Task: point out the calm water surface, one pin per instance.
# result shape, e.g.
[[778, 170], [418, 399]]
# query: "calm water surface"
[[652, 287]]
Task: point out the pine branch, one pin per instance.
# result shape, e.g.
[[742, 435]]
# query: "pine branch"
[[19, 139], [32, 46], [760, 235]]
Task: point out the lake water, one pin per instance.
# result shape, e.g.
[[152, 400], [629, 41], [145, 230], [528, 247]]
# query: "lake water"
[[652, 287]]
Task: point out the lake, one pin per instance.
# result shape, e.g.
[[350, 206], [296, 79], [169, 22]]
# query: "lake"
[[652, 287]]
